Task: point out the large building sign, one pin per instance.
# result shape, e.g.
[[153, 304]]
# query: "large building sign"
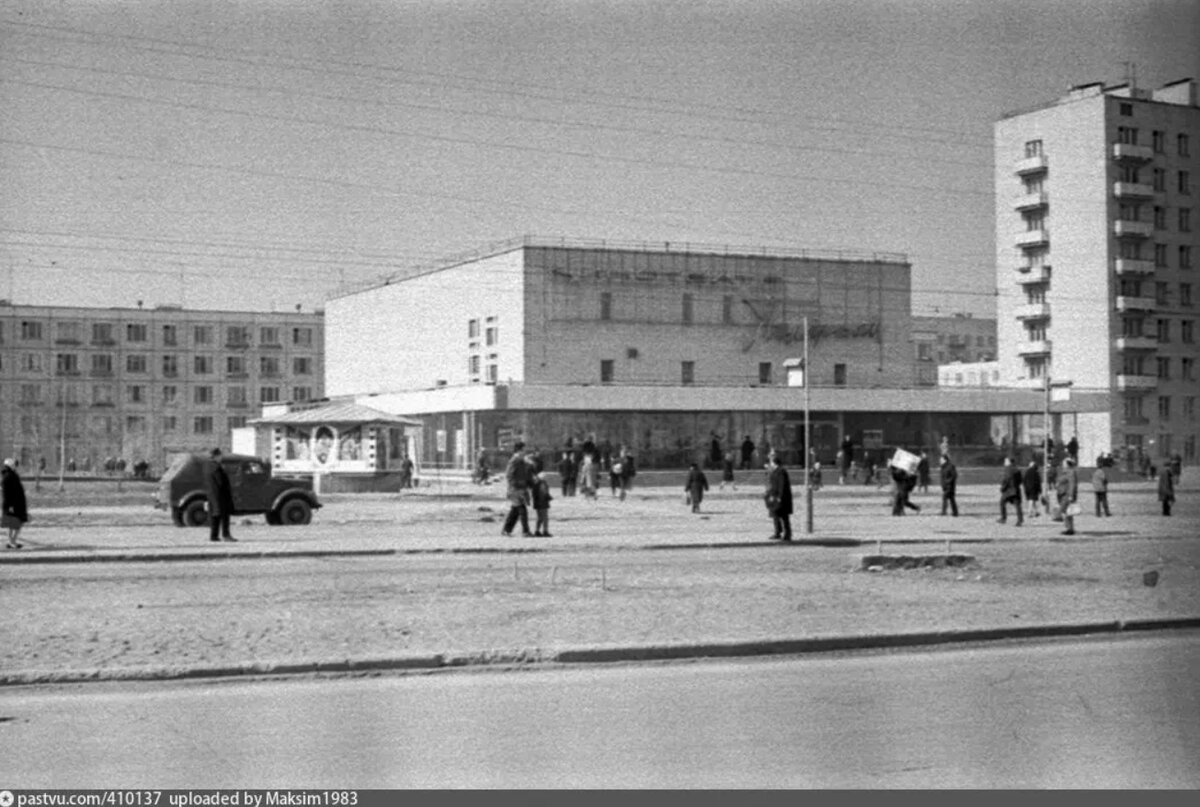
[[767, 330]]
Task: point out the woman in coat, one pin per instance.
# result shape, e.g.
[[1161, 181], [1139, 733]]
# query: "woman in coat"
[[1066, 487], [695, 486], [1032, 481], [779, 499], [1166, 490], [12, 499]]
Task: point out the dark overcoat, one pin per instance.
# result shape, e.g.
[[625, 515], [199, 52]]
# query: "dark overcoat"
[[218, 489], [779, 492], [12, 494], [697, 483]]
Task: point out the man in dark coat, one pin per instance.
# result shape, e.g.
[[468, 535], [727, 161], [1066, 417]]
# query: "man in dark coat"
[[695, 486], [1010, 492], [220, 498], [779, 499], [1031, 478], [12, 500], [566, 474], [747, 453], [949, 485], [1166, 490], [519, 476]]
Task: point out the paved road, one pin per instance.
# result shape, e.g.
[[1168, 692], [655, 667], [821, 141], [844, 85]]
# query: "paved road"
[[1123, 713]]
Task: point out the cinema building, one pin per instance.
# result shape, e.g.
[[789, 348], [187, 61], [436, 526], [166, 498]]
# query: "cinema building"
[[658, 347]]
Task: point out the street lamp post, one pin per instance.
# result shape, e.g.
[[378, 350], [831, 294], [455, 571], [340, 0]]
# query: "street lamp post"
[[798, 376]]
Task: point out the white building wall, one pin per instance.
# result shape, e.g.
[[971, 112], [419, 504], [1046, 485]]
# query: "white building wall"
[[413, 334]]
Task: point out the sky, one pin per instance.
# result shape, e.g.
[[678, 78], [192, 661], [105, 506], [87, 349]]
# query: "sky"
[[253, 155]]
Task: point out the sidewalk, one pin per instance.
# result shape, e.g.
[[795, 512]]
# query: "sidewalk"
[[635, 580]]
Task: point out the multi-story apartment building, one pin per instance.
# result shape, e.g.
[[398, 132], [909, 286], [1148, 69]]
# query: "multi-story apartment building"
[[946, 340], [82, 385], [1097, 245]]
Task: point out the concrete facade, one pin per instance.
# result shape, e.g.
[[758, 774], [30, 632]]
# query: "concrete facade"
[[144, 384], [1096, 260]]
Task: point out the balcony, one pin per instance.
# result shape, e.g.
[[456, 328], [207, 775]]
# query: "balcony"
[[1031, 165], [1137, 343], [1135, 303], [1133, 190], [1032, 275], [1033, 311], [1033, 238], [1132, 229], [1136, 382], [1031, 201], [1035, 347], [1131, 153], [1133, 266]]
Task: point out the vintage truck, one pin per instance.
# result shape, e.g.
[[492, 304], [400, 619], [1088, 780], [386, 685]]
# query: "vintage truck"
[[284, 500]]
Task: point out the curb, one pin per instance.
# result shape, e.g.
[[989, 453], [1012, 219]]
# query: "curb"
[[599, 655]]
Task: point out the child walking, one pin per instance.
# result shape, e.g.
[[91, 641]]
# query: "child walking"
[[541, 504]]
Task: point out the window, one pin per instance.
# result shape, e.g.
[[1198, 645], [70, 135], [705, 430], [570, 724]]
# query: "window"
[[764, 372], [1163, 368], [102, 364], [170, 335], [1187, 331], [235, 366], [301, 393], [135, 424], [66, 364], [268, 394], [727, 309], [1037, 221], [1185, 219], [1133, 365], [1185, 294], [1129, 173], [303, 365], [268, 365], [1159, 139], [606, 305], [473, 365], [202, 424], [1185, 257], [687, 373], [237, 336], [302, 337], [67, 332], [491, 335], [1185, 185], [1187, 368], [1164, 407], [170, 395], [1160, 179], [1181, 143], [1033, 148], [236, 421], [1127, 111], [1189, 407], [135, 332], [1160, 255], [1133, 410], [170, 423], [135, 363], [102, 395], [1164, 330], [102, 333], [1129, 212], [135, 393], [839, 375], [31, 394], [268, 336], [170, 366], [1162, 294], [202, 395], [492, 370], [202, 365], [473, 329], [606, 371], [236, 396], [1160, 218], [31, 362], [202, 335], [31, 331], [688, 306]]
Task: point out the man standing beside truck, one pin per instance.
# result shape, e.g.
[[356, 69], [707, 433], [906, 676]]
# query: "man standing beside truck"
[[220, 499]]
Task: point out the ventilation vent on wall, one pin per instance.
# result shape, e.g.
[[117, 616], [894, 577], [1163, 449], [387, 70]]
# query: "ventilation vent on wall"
[[631, 353]]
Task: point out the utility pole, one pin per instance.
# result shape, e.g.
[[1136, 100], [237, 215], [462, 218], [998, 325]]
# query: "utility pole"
[[808, 491]]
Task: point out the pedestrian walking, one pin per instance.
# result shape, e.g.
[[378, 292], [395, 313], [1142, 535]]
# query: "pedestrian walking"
[[1100, 489], [518, 477], [14, 510], [1031, 480], [949, 480], [541, 505], [814, 476], [220, 498], [1166, 490], [747, 453], [923, 473], [589, 476], [845, 459], [1067, 492], [714, 452], [903, 484], [1010, 492], [779, 499], [566, 473], [625, 469], [727, 471], [695, 486], [1176, 467]]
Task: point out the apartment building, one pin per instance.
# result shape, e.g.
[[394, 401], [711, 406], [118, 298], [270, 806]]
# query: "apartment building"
[[79, 386], [1097, 222], [948, 339]]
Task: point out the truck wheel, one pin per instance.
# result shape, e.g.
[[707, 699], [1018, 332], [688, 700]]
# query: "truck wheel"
[[195, 514], [273, 518], [177, 516], [294, 512]]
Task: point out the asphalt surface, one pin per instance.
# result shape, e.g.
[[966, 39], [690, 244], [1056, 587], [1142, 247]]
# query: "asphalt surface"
[[1134, 571]]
